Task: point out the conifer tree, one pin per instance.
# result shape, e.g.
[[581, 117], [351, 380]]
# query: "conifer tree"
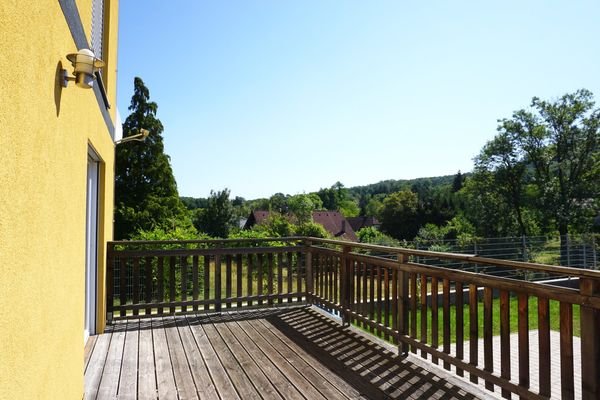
[[145, 189]]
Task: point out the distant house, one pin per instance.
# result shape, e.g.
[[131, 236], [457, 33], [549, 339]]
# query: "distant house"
[[358, 223], [333, 222], [336, 224], [256, 218]]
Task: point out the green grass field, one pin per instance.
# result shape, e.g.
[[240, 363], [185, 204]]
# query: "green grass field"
[[533, 319]]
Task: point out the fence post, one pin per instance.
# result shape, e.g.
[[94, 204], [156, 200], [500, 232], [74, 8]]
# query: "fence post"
[[594, 252], [309, 271], [403, 300], [568, 242], [590, 341], [524, 244]]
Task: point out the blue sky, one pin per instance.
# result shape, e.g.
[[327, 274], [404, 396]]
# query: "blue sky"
[[274, 96]]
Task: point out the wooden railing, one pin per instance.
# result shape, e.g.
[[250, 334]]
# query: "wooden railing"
[[383, 291], [169, 277]]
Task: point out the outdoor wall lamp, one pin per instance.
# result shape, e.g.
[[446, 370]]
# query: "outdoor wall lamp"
[[139, 137], [85, 64]]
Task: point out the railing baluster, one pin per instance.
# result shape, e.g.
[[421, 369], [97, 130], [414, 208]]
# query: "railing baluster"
[[413, 309], [289, 277], [372, 296], [505, 339], [250, 278], [365, 292], [280, 277], [206, 282], [148, 289], [299, 274], [184, 285], [135, 283], [238, 278], [523, 340], [473, 331], [270, 278], [172, 283], [488, 351], [350, 282], [110, 282], [259, 279], [228, 273], [544, 346], [160, 284], [446, 316], [378, 304], [218, 295], [122, 284], [459, 304], [336, 293], [434, 316], [567, 383], [590, 341], [423, 312], [309, 277], [195, 283], [386, 301]]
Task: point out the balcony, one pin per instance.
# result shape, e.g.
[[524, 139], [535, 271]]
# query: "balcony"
[[313, 318]]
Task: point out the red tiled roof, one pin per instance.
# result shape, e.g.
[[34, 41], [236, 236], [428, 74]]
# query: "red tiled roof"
[[358, 223], [335, 223], [332, 221]]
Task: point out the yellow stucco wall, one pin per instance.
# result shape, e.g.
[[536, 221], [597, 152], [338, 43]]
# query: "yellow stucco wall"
[[45, 131]]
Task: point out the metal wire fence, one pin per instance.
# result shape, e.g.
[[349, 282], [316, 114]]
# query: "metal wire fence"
[[578, 251]]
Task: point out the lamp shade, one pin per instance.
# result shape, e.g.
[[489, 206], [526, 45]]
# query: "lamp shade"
[[84, 65]]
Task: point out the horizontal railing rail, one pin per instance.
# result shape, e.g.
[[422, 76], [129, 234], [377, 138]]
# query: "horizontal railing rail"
[[463, 321]]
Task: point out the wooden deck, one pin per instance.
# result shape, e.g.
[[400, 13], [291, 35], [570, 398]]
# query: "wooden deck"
[[295, 353]]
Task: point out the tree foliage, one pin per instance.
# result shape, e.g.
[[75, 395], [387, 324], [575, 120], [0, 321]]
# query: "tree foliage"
[[146, 195], [399, 215], [217, 219]]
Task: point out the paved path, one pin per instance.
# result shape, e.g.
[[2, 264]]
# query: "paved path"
[[534, 361]]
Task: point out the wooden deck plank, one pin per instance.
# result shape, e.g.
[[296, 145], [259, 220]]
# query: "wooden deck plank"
[[109, 384], [220, 378], [204, 383], [186, 388], [88, 350], [236, 374], [146, 371], [93, 374], [287, 390], [254, 372], [162, 361], [284, 364], [129, 365]]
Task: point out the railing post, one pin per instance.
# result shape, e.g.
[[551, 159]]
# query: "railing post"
[[344, 280], [110, 248], [403, 299], [590, 341], [309, 271]]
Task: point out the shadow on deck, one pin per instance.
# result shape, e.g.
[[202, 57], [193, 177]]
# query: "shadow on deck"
[[293, 353]]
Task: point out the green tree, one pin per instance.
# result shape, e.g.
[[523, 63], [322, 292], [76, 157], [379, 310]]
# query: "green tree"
[[146, 195], [217, 218], [502, 158], [561, 141], [302, 206], [399, 215]]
